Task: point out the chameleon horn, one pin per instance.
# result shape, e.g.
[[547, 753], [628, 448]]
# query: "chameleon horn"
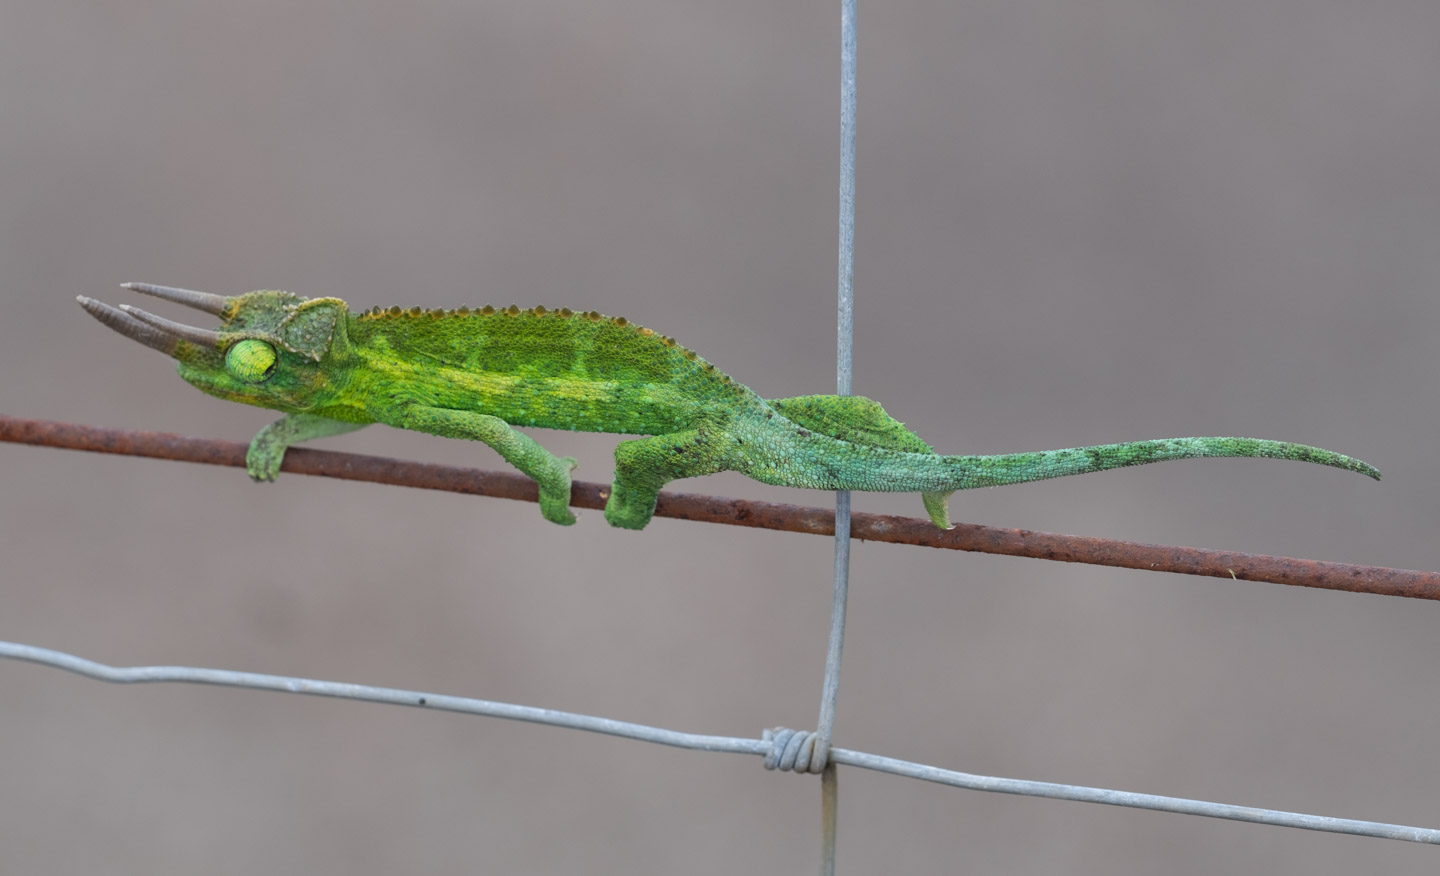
[[203, 337], [206, 301], [129, 326]]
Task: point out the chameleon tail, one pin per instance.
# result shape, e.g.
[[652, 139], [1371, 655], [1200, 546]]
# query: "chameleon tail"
[[967, 472], [856, 467], [826, 443]]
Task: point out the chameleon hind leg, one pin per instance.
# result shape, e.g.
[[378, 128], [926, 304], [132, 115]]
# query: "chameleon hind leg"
[[644, 465], [267, 448], [551, 472], [860, 420]]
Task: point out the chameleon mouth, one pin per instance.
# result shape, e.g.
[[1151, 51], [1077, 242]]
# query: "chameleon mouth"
[[154, 331]]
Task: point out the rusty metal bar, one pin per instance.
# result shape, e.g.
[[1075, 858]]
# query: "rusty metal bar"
[[763, 515]]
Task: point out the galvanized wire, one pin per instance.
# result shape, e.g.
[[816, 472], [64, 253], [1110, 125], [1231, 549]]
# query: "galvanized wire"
[[849, 65], [825, 726], [702, 742], [844, 371]]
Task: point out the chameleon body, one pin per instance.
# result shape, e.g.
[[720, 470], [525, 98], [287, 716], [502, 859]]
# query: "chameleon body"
[[476, 374]]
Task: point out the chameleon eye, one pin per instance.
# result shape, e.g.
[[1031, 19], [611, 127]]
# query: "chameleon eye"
[[251, 360]]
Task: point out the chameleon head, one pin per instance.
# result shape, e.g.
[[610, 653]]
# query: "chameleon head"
[[271, 349]]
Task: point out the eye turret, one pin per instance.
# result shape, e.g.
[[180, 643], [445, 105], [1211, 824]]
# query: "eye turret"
[[251, 360]]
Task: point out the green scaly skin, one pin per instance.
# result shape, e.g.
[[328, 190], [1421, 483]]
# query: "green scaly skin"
[[476, 374]]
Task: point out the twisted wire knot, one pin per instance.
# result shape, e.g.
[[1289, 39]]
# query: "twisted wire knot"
[[795, 750]]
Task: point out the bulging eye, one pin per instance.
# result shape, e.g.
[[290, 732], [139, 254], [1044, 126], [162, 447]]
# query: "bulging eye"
[[251, 360]]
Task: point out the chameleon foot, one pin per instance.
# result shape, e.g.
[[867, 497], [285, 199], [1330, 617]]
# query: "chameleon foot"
[[629, 509], [555, 499], [263, 459]]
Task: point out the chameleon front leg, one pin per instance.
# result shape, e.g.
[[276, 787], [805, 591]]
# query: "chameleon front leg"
[[645, 465], [551, 472], [267, 448]]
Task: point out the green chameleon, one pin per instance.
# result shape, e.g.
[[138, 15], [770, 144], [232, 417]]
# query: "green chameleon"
[[479, 373]]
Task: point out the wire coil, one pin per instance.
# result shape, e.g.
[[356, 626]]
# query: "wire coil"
[[794, 750]]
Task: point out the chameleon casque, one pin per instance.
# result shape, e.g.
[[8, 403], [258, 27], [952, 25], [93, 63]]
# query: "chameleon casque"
[[476, 374]]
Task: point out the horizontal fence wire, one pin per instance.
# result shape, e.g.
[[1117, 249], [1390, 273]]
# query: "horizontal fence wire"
[[739, 512], [702, 742]]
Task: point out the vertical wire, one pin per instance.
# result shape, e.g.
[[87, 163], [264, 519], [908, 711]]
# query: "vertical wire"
[[829, 803], [849, 43], [848, 63]]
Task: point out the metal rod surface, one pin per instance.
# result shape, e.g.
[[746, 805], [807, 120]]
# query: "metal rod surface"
[[1295, 572]]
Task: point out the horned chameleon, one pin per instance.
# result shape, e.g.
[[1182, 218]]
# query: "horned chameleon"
[[477, 374]]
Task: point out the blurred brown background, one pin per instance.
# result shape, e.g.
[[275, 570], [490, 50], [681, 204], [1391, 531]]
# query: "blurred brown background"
[[1078, 222]]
